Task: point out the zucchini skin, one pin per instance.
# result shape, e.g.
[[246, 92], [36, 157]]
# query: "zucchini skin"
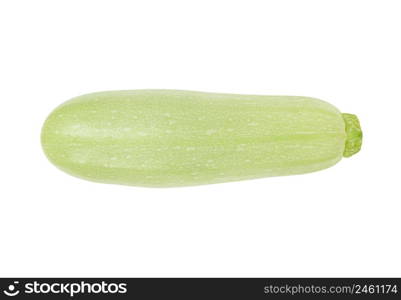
[[163, 138]]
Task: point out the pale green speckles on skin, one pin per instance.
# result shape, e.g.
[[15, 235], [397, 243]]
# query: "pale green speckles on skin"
[[177, 138]]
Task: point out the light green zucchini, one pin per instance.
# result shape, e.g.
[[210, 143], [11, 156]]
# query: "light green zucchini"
[[162, 138]]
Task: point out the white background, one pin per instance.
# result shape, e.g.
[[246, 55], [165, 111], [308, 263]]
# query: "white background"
[[343, 221]]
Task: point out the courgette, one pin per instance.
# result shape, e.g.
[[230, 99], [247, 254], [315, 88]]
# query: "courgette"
[[162, 138]]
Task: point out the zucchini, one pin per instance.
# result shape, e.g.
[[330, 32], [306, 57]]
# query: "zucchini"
[[162, 138]]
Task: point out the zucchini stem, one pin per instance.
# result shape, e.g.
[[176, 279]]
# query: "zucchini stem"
[[353, 130]]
